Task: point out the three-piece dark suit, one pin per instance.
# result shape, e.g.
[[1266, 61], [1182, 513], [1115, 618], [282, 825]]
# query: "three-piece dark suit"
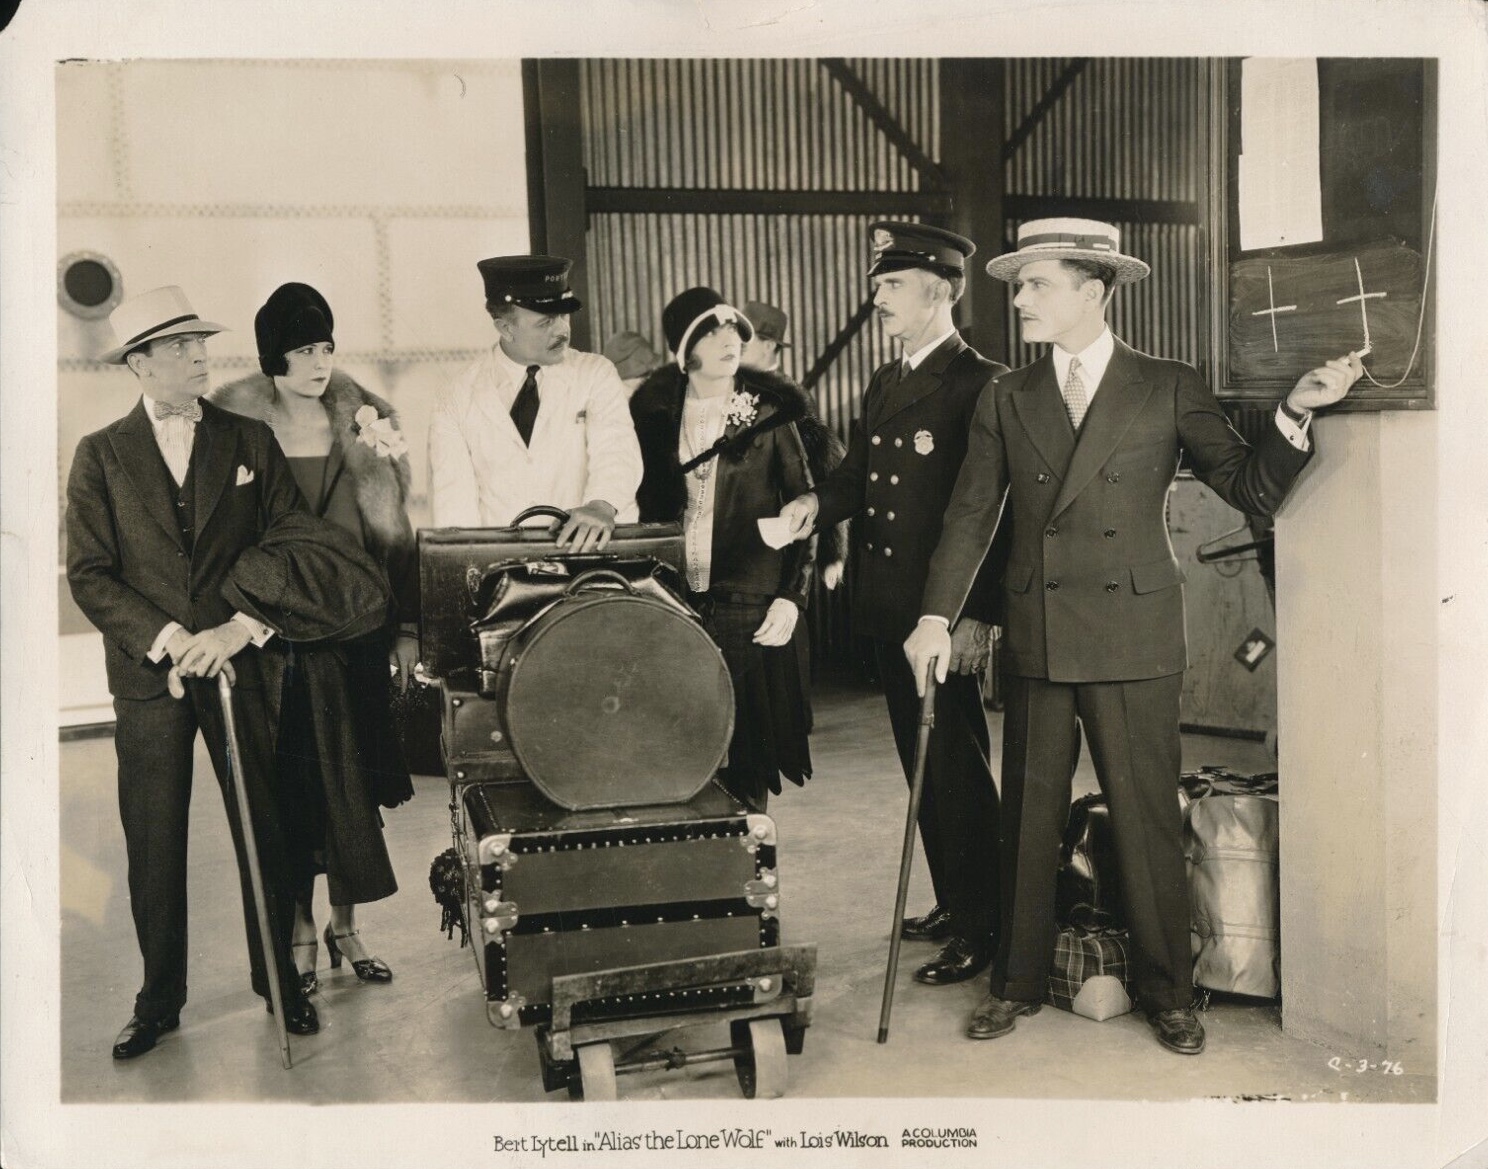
[[143, 552], [904, 453], [1093, 630]]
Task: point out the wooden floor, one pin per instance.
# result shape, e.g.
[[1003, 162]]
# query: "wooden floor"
[[425, 1037]]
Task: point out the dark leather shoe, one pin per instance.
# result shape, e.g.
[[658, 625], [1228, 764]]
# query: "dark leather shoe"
[[959, 961], [1179, 1030], [995, 1017], [140, 1035], [299, 1019], [935, 926]]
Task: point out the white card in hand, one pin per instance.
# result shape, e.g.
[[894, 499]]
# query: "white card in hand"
[[774, 530]]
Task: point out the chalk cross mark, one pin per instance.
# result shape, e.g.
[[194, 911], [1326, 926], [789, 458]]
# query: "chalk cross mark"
[[1273, 310], [1362, 299]]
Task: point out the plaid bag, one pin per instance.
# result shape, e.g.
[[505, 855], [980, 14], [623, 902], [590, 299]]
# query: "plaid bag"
[[1090, 975]]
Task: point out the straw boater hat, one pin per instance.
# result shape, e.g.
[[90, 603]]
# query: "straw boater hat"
[[1068, 239], [161, 312]]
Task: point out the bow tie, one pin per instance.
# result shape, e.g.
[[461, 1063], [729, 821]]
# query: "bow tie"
[[191, 411]]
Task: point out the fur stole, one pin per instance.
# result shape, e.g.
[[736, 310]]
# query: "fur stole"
[[656, 408], [382, 484]]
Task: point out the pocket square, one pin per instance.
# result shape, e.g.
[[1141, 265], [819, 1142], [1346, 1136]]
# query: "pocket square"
[[244, 475]]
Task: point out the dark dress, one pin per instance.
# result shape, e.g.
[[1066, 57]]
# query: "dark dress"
[[338, 757], [762, 467]]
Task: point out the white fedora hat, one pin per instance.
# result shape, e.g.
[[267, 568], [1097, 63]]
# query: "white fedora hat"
[[161, 312], [1068, 239]]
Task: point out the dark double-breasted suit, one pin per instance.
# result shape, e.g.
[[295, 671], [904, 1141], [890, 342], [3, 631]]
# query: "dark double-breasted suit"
[[904, 454], [143, 552], [1094, 629]]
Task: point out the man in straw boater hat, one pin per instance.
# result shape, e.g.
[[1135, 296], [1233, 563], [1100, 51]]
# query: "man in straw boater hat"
[[1083, 444], [533, 421], [904, 452], [187, 543]]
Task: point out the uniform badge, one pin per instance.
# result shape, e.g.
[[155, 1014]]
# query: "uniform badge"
[[924, 442], [882, 241]]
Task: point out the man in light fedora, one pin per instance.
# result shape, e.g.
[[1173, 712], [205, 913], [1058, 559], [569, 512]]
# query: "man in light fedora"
[[1083, 445], [164, 507], [533, 421]]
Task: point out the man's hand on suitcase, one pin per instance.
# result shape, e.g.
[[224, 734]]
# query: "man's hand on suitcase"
[[929, 644], [588, 528]]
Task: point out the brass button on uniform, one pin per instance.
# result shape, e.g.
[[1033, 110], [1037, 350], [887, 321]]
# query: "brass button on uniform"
[[888, 552], [871, 511], [1052, 586], [890, 515], [893, 478], [1111, 586], [898, 442], [873, 476], [870, 546], [876, 440]]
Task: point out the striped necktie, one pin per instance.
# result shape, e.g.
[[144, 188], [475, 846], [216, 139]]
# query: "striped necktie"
[[1074, 394]]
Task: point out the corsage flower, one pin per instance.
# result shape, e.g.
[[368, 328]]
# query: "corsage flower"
[[379, 433], [742, 408]]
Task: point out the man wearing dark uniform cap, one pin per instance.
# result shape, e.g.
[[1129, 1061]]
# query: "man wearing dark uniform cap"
[[903, 456], [533, 421]]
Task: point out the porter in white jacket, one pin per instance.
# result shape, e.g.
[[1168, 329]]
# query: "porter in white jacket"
[[583, 443]]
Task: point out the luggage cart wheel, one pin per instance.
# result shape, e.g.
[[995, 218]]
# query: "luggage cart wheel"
[[761, 1067], [596, 1073]]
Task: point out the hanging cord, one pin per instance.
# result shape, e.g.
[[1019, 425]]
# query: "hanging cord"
[[1421, 323]]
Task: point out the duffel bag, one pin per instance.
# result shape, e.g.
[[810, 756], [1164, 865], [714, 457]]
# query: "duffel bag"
[[1230, 840], [1090, 974]]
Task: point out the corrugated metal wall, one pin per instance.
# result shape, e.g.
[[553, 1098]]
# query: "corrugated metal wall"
[[1125, 129], [722, 124]]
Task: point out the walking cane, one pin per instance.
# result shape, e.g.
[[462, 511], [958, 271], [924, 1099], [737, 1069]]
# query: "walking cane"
[[255, 874], [906, 859]]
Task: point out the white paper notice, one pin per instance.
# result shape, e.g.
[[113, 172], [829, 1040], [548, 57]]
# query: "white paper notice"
[[1281, 198], [774, 531]]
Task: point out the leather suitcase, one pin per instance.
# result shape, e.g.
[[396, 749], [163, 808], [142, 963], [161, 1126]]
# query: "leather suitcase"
[[454, 563], [551, 892]]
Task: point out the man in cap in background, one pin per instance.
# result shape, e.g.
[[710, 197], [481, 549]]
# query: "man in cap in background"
[[166, 510], [763, 352], [533, 421], [1083, 445], [904, 452], [633, 357]]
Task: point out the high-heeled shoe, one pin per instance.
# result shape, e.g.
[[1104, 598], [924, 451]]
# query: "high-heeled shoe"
[[309, 982], [367, 969]]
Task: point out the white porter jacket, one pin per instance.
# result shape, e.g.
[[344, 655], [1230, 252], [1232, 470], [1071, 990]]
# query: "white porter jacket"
[[583, 443]]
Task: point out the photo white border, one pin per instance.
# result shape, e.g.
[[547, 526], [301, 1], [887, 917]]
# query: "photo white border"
[[38, 1131]]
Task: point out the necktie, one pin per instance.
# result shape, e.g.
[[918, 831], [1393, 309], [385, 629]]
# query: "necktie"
[[1074, 394], [524, 409], [191, 411]]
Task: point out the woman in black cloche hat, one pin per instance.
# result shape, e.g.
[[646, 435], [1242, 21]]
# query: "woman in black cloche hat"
[[722, 448], [337, 756]]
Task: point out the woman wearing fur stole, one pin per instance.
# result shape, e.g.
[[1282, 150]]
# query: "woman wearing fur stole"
[[722, 448], [337, 756]]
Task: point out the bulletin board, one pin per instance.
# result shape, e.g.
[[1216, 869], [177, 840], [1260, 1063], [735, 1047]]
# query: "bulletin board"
[[1282, 307]]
